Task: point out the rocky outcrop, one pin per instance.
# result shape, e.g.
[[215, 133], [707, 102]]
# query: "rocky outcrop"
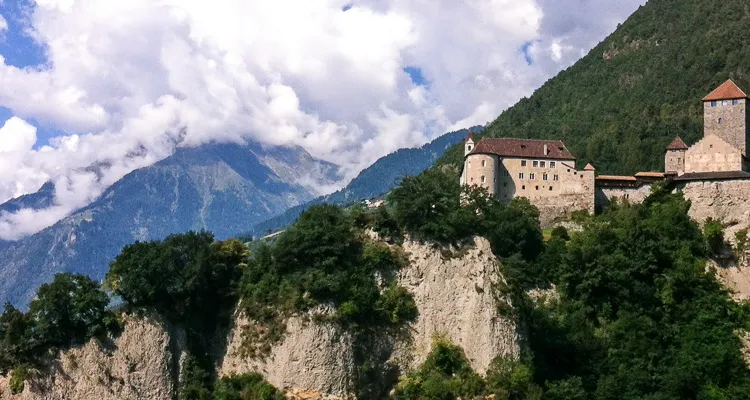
[[312, 357], [722, 200], [456, 300], [139, 364]]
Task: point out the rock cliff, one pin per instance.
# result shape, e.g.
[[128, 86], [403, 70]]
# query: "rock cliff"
[[453, 290], [456, 299], [141, 363]]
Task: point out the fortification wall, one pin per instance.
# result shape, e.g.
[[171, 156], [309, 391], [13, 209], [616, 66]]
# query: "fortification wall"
[[712, 154], [606, 195]]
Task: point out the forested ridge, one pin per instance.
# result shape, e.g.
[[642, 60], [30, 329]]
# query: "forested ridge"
[[622, 104]]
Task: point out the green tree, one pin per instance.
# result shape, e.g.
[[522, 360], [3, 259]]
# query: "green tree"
[[68, 311]]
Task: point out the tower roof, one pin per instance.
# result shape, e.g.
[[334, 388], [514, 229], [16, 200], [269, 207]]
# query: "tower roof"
[[469, 137], [727, 91], [677, 144], [589, 167]]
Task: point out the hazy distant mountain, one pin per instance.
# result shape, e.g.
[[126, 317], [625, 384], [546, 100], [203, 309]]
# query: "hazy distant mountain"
[[374, 181], [222, 188]]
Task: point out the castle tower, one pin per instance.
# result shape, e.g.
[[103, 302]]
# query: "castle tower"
[[674, 159], [725, 115], [469, 144]]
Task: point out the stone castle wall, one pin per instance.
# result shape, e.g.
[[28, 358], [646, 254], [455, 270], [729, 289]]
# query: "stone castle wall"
[[633, 195], [712, 154], [724, 200], [728, 121]]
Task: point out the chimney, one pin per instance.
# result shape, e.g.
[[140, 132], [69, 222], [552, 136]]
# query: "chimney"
[[546, 150]]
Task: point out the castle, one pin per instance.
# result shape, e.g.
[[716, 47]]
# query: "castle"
[[545, 172]]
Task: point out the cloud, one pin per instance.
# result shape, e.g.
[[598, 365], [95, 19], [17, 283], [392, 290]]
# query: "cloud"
[[128, 80], [3, 23]]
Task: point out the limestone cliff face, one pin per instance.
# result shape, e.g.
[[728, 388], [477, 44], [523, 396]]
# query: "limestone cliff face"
[[723, 200], [313, 357], [139, 364], [454, 294], [456, 300]]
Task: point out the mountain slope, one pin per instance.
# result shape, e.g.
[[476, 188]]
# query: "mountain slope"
[[622, 104], [222, 188], [375, 180]]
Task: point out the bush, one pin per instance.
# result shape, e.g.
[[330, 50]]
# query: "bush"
[[245, 387], [445, 374], [740, 240], [560, 232], [713, 230], [17, 379], [386, 226]]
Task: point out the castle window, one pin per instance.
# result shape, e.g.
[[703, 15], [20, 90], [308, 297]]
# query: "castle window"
[[725, 102], [531, 176], [505, 184], [721, 121], [536, 164], [552, 164], [550, 188], [483, 179], [537, 188], [469, 147], [555, 177], [469, 165], [735, 102], [472, 179], [541, 164], [523, 187], [520, 175], [713, 104], [484, 163], [523, 163], [544, 177]]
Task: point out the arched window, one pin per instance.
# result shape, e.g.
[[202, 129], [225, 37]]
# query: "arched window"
[[721, 121], [484, 163], [483, 179]]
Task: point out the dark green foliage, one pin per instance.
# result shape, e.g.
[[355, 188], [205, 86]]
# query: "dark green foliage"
[[638, 316], [385, 225], [559, 232], [192, 281], [445, 374], [740, 240], [17, 379], [622, 104], [714, 232], [429, 207], [68, 311], [245, 387]]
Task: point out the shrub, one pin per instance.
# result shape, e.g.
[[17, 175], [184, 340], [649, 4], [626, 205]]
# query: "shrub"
[[18, 378], [245, 387], [386, 226], [713, 230], [561, 233], [740, 240]]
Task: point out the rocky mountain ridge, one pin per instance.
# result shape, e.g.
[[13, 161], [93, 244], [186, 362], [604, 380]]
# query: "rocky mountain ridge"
[[223, 188]]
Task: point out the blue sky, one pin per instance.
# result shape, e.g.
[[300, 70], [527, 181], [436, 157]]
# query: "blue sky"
[[20, 50]]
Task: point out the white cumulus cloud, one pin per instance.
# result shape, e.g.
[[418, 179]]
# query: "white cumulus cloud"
[[128, 80]]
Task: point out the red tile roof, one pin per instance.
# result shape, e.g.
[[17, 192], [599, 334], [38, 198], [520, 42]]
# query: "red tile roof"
[[589, 167], [677, 144], [529, 148], [727, 91]]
